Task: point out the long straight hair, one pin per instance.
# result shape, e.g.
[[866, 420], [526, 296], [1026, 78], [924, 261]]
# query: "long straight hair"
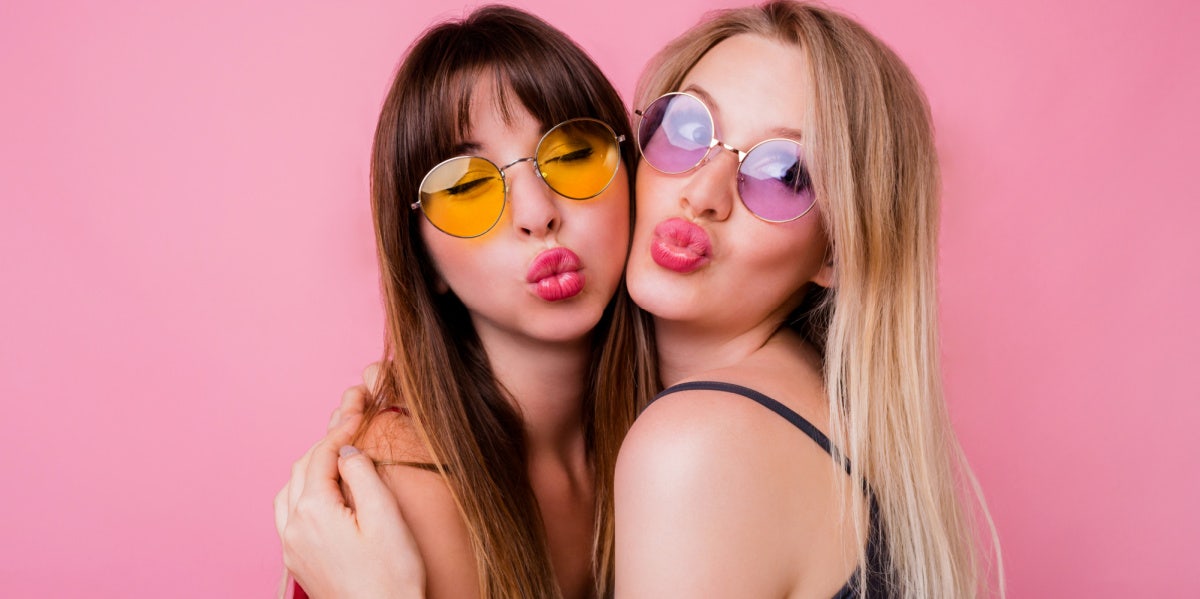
[[876, 177], [435, 365]]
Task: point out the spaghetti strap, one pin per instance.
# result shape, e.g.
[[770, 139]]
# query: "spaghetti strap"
[[876, 586], [771, 404]]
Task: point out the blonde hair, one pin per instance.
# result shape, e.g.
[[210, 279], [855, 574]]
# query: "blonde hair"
[[875, 172]]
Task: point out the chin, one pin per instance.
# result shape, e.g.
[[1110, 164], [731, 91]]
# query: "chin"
[[566, 323], [657, 293]]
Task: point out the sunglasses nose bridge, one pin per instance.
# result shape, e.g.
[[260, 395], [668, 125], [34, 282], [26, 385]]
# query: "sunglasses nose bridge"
[[741, 156], [516, 162], [720, 147], [503, 169]]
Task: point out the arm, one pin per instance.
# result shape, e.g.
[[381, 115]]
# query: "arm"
[[438, 529]]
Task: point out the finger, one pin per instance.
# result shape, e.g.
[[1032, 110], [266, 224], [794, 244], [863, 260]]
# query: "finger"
[[370, 377], [321, 475], [343, 432], [295, 485], [281, 510], [374, 502], [335, 418], [354, 402]]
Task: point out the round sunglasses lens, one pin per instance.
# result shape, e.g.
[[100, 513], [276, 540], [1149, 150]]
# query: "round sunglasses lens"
[[578, 158], [463, 196], [774, 183], [675, 133]]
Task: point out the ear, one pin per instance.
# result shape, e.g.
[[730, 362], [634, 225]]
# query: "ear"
[[827, 275]]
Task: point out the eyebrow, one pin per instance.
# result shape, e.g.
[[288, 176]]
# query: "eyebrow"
[[466, 147], [785, 132]]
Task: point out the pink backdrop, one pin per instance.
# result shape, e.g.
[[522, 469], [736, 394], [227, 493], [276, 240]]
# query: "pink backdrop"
[[187, 278]]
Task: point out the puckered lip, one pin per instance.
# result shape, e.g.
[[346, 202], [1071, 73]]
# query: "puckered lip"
[[680, 245], [554, 275], [552, 262]]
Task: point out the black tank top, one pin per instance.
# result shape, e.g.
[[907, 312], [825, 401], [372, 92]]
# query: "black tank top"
[[874, 571]]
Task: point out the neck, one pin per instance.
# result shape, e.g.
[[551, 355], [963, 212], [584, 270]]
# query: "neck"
[[546, 381], [687, 351]]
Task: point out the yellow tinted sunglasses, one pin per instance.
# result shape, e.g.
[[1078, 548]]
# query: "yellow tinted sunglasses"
[[465, 195]]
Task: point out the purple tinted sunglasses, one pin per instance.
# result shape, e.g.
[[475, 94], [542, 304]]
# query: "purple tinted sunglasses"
[[676, 134]]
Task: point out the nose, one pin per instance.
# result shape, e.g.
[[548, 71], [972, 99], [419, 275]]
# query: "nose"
[[712, 187], [535, 209]]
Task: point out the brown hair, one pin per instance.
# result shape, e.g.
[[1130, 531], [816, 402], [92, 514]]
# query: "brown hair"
[[875, 171], [435, 364]]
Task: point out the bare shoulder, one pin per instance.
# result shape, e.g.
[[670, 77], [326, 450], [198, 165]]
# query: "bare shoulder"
[[716, 495], [694, 493], [714, 429], [391, 437], [392, 440], [691, 430]]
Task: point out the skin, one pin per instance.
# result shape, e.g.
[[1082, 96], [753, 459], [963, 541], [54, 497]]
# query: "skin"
[[538, 350], [311, 512], [715, 495]]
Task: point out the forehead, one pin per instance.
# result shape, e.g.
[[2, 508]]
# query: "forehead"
[[754, 85], [496, 114], [493, 98]]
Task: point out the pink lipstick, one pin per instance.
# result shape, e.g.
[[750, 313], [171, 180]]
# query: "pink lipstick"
[[680, 246], [554, 275]]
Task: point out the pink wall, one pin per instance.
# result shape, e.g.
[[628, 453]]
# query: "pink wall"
[[188, 279]]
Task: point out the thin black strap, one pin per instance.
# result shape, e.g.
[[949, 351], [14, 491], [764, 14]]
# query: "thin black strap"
[[876, 587], [797, 420]]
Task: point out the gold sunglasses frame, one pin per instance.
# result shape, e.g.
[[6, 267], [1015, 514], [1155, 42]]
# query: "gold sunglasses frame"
[[537, 170]]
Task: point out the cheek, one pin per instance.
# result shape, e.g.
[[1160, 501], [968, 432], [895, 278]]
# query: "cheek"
[[455, 260], [605, 242], [809, 231], [613, 208], [794, 252], [654, 191], [605, 225], [610, 228]]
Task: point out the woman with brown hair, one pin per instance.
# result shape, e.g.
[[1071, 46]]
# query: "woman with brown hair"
[[500, 196], [786, 245]]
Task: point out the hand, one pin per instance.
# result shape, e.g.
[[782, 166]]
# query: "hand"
[[334, 549], [354, 399], [344, 420]]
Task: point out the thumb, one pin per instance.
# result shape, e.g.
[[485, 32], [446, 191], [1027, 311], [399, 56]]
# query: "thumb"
[[342, 433], [374, 503], [354, 403]]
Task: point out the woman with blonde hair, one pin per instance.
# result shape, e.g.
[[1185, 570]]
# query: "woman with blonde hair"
[[786, 244], [786, 247]]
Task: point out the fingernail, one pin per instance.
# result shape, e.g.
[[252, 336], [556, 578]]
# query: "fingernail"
[[335, 418], [347, 451]]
